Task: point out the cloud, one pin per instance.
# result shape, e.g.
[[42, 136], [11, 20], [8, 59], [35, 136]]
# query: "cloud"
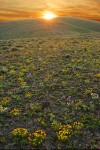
[[14, 9]]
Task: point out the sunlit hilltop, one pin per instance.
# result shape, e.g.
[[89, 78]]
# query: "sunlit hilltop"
[[60, 26]]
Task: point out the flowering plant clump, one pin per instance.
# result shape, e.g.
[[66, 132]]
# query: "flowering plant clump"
[[15, 111], [37, 137], [65, 70], [94, 96], [1, 77], [20, 74], [2, 140], [64, 132], [28, 95], [88, 91], [12, 72], [20, 79], [3, 109], [56, 125], [78, 75], [19, 133], [97, 75], [22, 82], [64, 83], [5, 101], [77, 126]]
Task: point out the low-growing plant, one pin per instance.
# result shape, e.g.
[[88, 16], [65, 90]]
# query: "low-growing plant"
[[56, 125], [4, 69], [37, 137], [3, 109], [5, 101], [77, 126], [36, 107], [15, 112], [64, 133], [28, 95], [88, 91], [97, 75], [2, 140], [19, 133], [94, 96]]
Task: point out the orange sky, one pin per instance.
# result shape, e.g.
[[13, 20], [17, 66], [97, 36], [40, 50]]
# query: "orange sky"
[[19, 9]]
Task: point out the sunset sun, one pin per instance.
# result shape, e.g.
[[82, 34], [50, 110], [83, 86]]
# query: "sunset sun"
[[49, 15]]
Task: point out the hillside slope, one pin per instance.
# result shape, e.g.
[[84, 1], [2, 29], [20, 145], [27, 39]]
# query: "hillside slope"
[[50, 86], [62, 26]]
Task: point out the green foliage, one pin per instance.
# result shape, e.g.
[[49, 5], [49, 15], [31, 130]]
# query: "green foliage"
[[36, 107]]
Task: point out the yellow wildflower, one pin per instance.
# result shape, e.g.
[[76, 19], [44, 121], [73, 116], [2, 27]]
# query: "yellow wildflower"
[[5, 101], [64, 132], [37, 137], [88, 91], [15, 112], [19, 132], [78, 125], [28, 95], [97, 75], [1, 77], [2, 140], [20, 79]]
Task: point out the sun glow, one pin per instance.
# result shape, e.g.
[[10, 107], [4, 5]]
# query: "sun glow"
[[49, 15]]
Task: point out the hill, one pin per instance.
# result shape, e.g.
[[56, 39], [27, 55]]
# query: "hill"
[[61, 26]]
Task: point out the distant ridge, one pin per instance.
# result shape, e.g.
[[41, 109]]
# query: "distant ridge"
[[61, 26]]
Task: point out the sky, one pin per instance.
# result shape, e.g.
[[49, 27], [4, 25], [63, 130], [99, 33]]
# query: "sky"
[[20, 9]]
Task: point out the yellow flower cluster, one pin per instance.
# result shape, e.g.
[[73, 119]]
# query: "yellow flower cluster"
[[87, 81], [37, 137], [88, 91], [5, 101], [47, 77], [28, 95], [28, 60], [78, 125], [2, 140], [22, 82], [64, 133], [78, 75], [65, 70], [1, 77], [19, 132], [20, 79], [56, 125], [15, 112], [97, 75], [20, 64], [24, 70], [39, 133], [12, 67], [21, 74], [12, 72]]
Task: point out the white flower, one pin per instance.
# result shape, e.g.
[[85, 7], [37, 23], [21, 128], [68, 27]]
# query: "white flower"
[[94, 96], [3, 109]]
